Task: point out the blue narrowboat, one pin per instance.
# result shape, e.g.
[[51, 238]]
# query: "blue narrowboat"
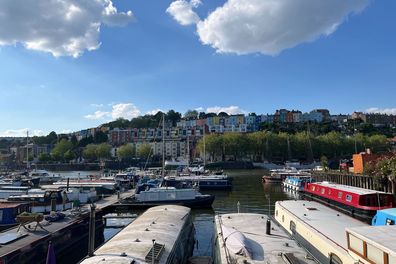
[[8, 213], [384, 217], [296, 183]]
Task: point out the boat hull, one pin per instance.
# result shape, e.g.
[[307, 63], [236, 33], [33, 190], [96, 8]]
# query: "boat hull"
[[203, 184], [269, 179]]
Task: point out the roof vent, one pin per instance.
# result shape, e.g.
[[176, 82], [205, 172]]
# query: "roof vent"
[[137, 240], [123, 254], [311, 208], [146, 229]]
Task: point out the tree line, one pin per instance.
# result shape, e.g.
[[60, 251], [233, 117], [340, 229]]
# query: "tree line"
[[303, 146]]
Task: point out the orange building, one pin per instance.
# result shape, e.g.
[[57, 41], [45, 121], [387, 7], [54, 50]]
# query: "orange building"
[[361, 160]]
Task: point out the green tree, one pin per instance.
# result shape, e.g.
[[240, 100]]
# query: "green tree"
[[100, 137], [103, 151], [69, 155], [126, 151], [191, 115], [44, 157], [61, 148], [144, 151], [173, 117], [90, 152]]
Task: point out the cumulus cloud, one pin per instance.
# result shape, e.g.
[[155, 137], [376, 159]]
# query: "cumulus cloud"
[[389, 111], [267, 26], [62, 27], [97, 105], [182, 11], [21, 132], [122, 110], [231, 110]]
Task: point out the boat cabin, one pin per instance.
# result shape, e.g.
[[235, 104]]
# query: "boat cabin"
[[384, 217], [373, 244], [9, 211]]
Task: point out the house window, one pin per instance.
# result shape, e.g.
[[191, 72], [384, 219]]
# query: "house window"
[[339, 195], [348, 198]]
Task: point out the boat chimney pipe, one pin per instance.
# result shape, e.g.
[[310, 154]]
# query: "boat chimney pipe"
[[67, 185], [91, 234], [268, 227]]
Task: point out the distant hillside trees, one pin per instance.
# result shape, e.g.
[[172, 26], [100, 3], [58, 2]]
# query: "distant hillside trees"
[[266, 145]]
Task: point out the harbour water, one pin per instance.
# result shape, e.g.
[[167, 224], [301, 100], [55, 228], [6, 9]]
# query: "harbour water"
[[248, 191]]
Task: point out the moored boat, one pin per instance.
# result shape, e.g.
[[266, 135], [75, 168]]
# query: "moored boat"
[[254, 238], [359, 202], [296, 183], [384, 217], [320, 229], [169, 195], [204, 182], [9, 211], [163, 232], [279, 175]]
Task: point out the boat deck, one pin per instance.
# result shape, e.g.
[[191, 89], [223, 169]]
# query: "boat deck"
[[346, 188], [261, 247], [27, 238]]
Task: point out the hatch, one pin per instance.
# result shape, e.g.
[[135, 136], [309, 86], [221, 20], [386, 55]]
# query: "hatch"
[[158, 250]]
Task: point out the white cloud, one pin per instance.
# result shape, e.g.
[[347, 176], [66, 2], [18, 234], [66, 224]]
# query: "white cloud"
[[62, 27], [182, 11], [154, 111], [266, 26], [231, 110], [21, 132], [121, 110], [389, 111]]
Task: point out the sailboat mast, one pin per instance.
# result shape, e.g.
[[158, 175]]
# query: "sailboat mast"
[[27, 149], [188, 150], [204, 145], [163, 145]]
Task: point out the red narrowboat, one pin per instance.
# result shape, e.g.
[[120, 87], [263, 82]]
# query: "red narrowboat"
[[359, 202]]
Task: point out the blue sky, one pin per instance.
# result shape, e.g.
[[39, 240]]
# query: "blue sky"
[[85, 64]]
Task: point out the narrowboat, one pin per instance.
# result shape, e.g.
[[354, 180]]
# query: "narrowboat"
[[168, 195], [261, 241], [359, 202], [318, 228], [204, 182], [162, 234], [296, 183], [384, 217], [9, 211]]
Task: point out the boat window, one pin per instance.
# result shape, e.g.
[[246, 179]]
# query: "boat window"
[[375, 254], [392, 259], [348, 198], [334, 259], [356, 244], [329, 192], [390, 221], [323, 190], [292, 227], [313, 188], [276, 213], [1, 215], [339, 195], [283, 218]]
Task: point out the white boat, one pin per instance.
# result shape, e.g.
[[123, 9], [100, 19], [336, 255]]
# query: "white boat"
[[163, 232], [320, 229], [250, 238], [176, 163], [44, 176], [169, 195]]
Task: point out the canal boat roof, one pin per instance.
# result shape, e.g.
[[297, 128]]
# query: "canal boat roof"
[[134, 242], [383, 237], [346, 188], [4, 205], [261, 247], [326, 221]]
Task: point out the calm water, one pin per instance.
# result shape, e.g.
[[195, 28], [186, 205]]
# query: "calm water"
[[248, 190]]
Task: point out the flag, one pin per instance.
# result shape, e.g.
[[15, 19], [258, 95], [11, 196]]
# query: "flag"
[[51, 259]]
